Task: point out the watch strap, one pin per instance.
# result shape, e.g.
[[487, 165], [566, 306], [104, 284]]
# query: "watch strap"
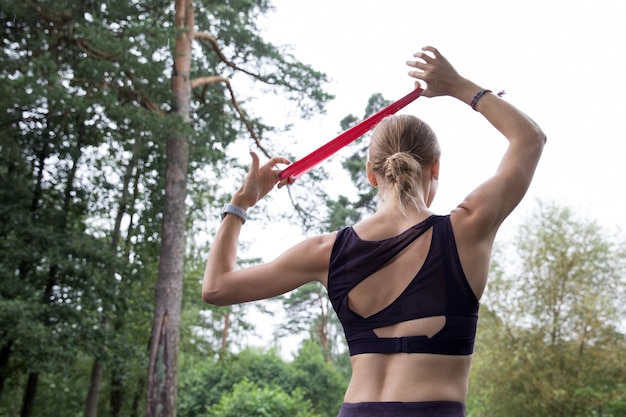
[[236, 210]]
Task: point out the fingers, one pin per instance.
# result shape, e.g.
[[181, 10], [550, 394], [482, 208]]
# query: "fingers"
[[260, 180], [272, 173], [428, 55], [423, 64], [427, 58], [255, 162], [278, 160], [417, 64], [269, 165], [286, 181], [420, 75], [432, 49]]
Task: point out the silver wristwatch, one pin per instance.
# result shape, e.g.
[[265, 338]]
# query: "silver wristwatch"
[[236, 210]]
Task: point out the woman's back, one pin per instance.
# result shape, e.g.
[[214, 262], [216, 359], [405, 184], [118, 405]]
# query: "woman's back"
[[407, 282], [408, 377]]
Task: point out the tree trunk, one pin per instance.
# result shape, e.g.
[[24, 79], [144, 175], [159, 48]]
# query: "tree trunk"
[[162, 377], [224, 346], [323, 330], [116, 397], [29, 394], [91, 404], [135, 408], [5, 354], [15, 408], [93, 393]]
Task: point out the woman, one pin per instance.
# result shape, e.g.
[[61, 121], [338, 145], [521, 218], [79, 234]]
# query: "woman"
[[404, 282]]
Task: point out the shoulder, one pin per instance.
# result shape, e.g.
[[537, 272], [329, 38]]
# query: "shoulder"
[[311, 256], [315, 246], [323, 244]]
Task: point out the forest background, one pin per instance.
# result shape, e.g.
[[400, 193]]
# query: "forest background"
[[126, 127]]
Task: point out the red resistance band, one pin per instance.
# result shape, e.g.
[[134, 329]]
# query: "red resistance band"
[[301, 166]]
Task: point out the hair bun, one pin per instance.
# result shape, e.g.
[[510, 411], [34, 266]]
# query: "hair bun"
[[400, 165]]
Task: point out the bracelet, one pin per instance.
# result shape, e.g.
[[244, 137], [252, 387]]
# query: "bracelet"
[[236, 210], [477, 97], [482, 93]]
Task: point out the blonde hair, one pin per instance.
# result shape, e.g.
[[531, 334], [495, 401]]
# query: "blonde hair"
[[401, 145]]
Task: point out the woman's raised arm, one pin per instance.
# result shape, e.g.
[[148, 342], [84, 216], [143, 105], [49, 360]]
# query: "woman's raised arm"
[[224, 284], [492, 201]]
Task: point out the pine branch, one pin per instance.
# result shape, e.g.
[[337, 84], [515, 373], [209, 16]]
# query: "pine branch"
[[203, 36], [214, 79]]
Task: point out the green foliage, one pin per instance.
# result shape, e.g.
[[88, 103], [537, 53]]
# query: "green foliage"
[[249, 400], [203, 383], [550, 343], [309, 378], [321, 382]]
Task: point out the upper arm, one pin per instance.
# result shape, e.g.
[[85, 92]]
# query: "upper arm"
[[484, 209], [305, 262], [477, 219]]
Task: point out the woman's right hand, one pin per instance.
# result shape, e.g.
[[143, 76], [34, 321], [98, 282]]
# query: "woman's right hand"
[[260, 181], [434, 69]]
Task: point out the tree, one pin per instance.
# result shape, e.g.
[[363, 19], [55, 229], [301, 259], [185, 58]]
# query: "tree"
[[309, 309], [162, 379], [292, 76], [550, 342], [90, 113]]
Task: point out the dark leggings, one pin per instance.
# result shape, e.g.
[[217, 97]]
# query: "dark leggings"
[[403, 409]]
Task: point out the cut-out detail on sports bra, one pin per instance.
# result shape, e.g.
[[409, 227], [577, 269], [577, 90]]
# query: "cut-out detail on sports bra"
[[437, 291], [380, 289], [426, 326], [383, 287]]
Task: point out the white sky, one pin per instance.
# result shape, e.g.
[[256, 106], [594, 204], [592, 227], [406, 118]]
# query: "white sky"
[[561, 62]]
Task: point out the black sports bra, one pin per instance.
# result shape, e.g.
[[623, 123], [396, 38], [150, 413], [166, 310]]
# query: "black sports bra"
[[440, 288]]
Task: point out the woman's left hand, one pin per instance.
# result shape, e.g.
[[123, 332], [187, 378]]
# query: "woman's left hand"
[[260, 181], [433, 68]]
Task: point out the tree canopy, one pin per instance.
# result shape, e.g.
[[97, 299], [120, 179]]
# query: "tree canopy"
[[552, 338]]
